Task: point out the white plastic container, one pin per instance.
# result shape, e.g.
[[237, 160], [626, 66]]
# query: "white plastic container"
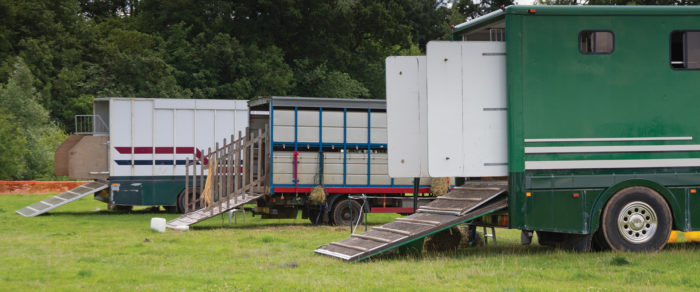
[[158, 224]]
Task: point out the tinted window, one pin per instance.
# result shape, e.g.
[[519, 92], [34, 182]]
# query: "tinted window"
[[596, 42], [685, 50]]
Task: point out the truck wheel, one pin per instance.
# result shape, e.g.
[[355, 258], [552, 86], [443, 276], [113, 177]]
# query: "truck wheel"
[[636, 219], [341, 212]]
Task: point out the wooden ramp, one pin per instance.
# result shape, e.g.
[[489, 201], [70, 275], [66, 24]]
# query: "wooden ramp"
[[228, 177], [62, 199], [203, 214], [462, 204]]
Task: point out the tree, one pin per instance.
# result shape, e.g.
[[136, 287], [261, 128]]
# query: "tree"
[[26, 115], [13, 147]]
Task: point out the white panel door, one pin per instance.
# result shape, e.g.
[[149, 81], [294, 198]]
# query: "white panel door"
[[484, 109], [407, 116], [445, 109], [467, 122]]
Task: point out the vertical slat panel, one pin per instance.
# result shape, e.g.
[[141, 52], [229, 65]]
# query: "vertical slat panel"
[[260, 158], [187, 185], [237, 168]]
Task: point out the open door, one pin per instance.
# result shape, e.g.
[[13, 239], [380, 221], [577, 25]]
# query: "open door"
[[467, 109]]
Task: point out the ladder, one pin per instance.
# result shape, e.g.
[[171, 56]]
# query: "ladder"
[[224, 179], [461, 205]]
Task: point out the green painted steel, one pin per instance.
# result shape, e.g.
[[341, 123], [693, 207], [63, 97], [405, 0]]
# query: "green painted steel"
[[555, 92], [147, 190]]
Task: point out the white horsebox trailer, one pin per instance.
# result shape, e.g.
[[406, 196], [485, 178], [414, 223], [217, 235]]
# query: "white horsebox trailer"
[[135, 149]]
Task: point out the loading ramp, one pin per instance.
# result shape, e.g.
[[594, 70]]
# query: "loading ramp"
[[461, 205], [62, 199], [203, 214], [236, 174]]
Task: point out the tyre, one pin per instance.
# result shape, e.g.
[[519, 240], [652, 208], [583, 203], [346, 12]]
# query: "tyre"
[[636, 219], [341, 212]]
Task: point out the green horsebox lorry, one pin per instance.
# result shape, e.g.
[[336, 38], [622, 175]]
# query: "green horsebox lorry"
[[580, 123]]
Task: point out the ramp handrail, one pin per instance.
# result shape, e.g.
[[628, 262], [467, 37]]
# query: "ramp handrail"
[[90, 125], [239, 167]]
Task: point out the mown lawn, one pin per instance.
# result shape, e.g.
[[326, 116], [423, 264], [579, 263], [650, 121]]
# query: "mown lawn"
[[81, 246]]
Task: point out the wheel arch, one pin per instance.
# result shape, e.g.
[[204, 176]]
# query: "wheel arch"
[[603, 199]]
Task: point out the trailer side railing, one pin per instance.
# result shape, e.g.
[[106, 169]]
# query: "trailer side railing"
[[90, 125], [234, 171]]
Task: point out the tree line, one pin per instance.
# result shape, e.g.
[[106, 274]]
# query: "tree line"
[[57, 55]]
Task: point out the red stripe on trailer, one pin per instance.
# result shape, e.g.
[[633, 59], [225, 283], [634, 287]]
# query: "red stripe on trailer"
[[353, 190], [392, 210], [158, 150], [162, 150]]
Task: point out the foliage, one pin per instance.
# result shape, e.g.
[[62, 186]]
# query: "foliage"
[[12, 148], [78, 50], [32, 151]]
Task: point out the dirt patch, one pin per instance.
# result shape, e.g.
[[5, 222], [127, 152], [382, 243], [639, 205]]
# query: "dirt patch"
[[37, 187]]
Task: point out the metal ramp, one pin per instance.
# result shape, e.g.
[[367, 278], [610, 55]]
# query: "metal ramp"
[[62, 199], [462, 204], [236, 174]]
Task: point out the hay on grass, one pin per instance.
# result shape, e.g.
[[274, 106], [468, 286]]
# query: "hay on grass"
[[451, 239]]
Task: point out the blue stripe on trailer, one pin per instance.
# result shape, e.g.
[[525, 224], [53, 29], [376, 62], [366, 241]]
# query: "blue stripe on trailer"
[[369, 152], [340, 145], [295, 161], [350, 186]]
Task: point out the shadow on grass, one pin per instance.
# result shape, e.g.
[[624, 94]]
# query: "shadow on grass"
[[466, 253], [506, 250], [106, 213]]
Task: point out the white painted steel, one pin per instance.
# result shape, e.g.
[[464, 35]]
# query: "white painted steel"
[[611, 149], [175, 123], [619, 163], [548, 140], [407, 111], [467, 131]]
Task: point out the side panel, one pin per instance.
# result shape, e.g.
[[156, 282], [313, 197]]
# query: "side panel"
[[407, 113], [152, 138], [467, 109], [445, 125]]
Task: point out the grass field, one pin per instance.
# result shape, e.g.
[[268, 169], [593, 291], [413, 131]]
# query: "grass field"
[[81, 246]]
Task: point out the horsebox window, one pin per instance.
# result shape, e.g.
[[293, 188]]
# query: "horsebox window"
[[685, 49], [596, 42]]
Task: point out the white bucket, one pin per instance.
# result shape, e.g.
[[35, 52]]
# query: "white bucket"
[[158, 224]]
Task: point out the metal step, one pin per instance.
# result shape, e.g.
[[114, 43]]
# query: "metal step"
[[206, 213], [62, 199], [460, 205]]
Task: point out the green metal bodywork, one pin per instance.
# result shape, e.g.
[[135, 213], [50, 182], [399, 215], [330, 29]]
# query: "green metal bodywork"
[[555, 92], [146, 190]]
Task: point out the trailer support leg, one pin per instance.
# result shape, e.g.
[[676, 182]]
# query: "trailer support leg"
[[416, 182]]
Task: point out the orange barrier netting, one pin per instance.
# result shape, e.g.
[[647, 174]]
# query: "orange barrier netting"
[[37, 187]]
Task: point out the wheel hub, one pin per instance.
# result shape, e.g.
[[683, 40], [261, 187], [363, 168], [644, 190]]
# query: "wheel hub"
[[637, 222]]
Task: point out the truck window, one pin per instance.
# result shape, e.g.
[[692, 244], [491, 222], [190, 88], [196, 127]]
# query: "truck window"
[[596, 42], [685, 50]]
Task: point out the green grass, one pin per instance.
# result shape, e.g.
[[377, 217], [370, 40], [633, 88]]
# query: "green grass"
[[81, 246]]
